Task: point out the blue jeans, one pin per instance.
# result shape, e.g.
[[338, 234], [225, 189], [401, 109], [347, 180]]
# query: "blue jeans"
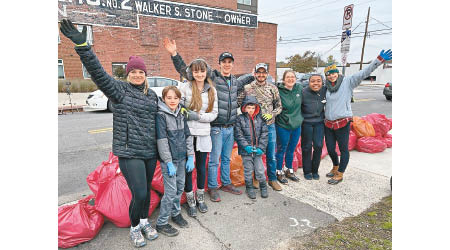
[[271, 160], [287, 141], [312, 137], [341, 136], [222, 145]]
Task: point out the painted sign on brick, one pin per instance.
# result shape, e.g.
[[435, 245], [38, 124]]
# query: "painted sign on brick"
[[124, 13]]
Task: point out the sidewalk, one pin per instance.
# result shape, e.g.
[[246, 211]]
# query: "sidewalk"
[[240, 223]]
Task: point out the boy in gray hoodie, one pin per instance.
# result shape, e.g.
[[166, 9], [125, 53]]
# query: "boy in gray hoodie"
[[251, 134]]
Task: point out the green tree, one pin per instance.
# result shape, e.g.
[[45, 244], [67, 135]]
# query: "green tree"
[[330, 59], [303, 63]]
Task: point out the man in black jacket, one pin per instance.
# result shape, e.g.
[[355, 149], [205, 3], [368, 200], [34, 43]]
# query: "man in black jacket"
[[222, 137]]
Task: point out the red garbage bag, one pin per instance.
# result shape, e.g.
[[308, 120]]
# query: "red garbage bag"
[[388, 140], [380, 123], [236, 168], [298, 154], [324, 150], [370, 144], [352, 140], [103, 172], [158, 181], [154, 201], [362, 127], [78, 223]]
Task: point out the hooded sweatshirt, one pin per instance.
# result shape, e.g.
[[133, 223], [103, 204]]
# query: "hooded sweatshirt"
[[172, 134], [250, 130], [291, 114]]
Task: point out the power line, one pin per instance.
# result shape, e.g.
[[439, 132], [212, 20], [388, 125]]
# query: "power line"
[[285, 8], [331, 36], [380, 22], [290, 11], [376, 34]]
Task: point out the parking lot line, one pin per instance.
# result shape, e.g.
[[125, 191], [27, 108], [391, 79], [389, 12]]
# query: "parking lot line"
[[102, 130], [365, 100]]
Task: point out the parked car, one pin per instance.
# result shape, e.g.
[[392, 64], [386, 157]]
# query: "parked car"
[[98, 101], [387, 91]]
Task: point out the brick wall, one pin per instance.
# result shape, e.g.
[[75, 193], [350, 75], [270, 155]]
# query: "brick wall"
[[194, 39]]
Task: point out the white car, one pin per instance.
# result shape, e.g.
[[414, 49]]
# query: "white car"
[[98, 101]]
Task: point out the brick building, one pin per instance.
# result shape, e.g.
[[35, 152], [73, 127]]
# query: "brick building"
[[114, 45]]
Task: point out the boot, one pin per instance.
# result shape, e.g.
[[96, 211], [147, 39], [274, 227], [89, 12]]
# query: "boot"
[[249, 190], [274, 185], [281, 178], [263, 186], [336, 178], [289, 172], [333, 171], [201, 201], [192, 209], [255, 184]]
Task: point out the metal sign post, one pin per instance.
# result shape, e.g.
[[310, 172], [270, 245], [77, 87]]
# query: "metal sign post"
[[345, 39]]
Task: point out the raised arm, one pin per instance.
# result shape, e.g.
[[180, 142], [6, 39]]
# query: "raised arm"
[[111, 87], [357, 78], [177, 60]]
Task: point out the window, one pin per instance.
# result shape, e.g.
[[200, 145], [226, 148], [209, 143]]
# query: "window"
[[119, 69], [86, 74], [246, 2], [60, 69], [90, 37]]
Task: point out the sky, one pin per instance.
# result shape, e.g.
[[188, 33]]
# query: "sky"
[[312, 20]]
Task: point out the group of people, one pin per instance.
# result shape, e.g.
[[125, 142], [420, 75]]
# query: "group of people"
[[180, 128]]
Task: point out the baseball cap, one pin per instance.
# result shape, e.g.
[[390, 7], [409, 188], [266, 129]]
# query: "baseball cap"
[[225, 55], [261, 65]]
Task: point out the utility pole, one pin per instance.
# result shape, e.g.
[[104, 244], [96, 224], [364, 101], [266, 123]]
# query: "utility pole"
[[364, 41]]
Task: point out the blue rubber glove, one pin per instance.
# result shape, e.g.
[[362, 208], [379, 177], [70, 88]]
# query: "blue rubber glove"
[[190, 163], [259, 151], [386, 55], [248, 149], [171, 168]]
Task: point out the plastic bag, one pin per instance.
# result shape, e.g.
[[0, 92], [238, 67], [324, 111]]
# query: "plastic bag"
[[352, 140], [154, 202], [78, 223], [236, 168], [158, 181], [380, 123], [388, 140], [362, 127], [298, 154], [103, 173], [370, 144]]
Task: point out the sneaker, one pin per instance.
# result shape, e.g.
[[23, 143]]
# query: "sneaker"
[[149, 232], [136, 237], [308, 176], [180, 221], [167, 230], [214, 195], [230, 188], [316, 176]]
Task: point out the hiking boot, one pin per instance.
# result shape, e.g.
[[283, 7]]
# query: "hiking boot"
[[255, 184], [249, 190], [263, 186], [167, 230], [192, 208], [316, 176], [333, 171], [201, 201], [214, 195], [274, 185], [290, 175], [281, 178], [149, 232], [136, 237], [308, 176], [230, 188], [336, 178], [180, 221]]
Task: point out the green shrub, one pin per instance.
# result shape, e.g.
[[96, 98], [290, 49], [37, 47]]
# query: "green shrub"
[[77, 85]]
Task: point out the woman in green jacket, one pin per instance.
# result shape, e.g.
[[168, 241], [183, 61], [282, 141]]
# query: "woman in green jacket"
[[288, 125]]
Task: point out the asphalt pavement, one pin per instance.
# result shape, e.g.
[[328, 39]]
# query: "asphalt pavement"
[[238, 222]]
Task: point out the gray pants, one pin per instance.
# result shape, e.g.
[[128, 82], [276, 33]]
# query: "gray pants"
[[173, 189], [253, 163]]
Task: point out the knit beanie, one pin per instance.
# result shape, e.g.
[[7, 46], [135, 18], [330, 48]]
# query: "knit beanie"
[[136, 62], [330, 68]]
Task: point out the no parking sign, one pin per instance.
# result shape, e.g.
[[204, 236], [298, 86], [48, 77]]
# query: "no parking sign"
[[348, 15]]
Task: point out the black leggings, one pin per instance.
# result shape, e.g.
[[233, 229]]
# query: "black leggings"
[[200, 165], [139, 175]]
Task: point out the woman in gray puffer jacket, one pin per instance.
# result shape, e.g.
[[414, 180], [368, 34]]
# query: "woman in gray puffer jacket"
[[134, 128]]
